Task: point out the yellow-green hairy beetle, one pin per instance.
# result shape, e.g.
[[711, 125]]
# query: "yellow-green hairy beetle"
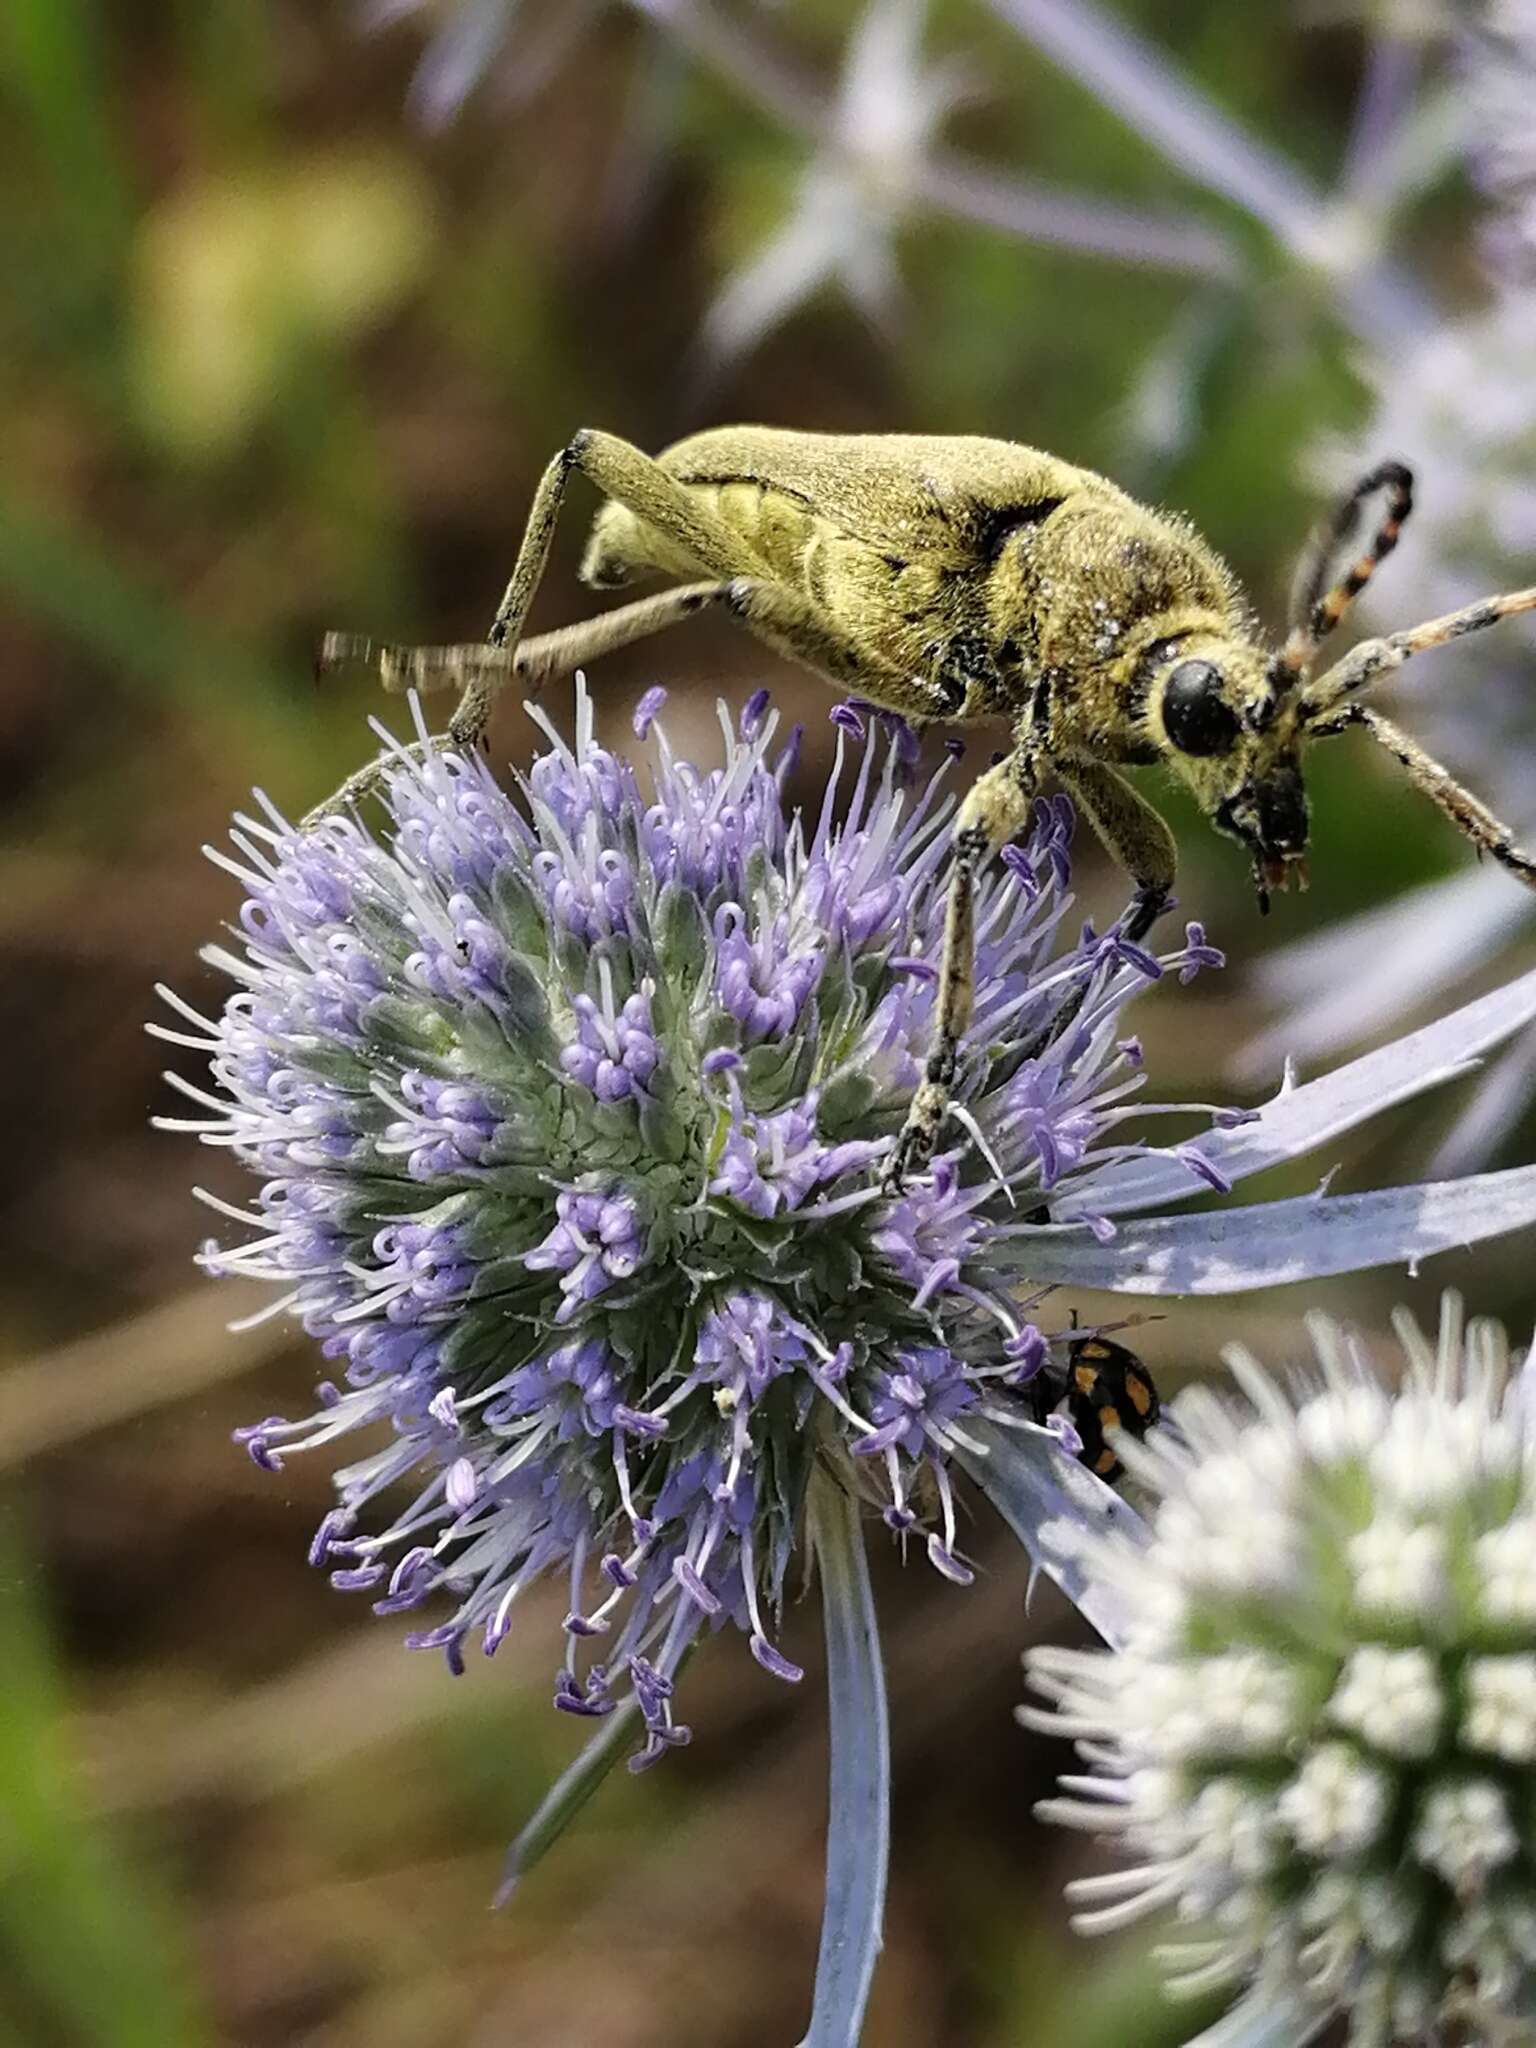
[[961, 579]]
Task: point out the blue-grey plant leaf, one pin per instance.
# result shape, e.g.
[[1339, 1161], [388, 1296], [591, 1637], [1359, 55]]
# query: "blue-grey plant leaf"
[[1040, 1494], [1299, 1119], [1262, 2020], [858, 1815], [1274, 1244]]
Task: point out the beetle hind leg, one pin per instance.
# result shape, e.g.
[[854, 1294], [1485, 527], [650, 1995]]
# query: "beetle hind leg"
[[627, 476]]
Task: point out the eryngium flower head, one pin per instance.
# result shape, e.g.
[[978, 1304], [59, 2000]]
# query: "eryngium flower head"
[[1497, 51], [1459, 403], [1317, 1740], [570, 1120]]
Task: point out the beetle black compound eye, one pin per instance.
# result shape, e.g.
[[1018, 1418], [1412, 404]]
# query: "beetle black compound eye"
[[1196, 717]]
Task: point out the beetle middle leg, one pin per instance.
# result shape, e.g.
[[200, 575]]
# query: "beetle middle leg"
[[995, 811], [958, 665]]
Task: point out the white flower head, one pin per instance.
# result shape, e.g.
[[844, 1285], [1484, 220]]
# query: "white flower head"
[[1312, 1766], [1336, 1804]]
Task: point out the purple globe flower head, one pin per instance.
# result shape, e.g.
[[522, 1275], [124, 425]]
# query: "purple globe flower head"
[[570, 1117], [568, 1110]]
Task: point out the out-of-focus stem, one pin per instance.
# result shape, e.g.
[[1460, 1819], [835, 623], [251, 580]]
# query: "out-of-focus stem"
[[1393, 66], [1135, 80], [950, 183]]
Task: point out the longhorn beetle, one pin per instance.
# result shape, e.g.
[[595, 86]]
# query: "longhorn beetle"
[[963, 579]]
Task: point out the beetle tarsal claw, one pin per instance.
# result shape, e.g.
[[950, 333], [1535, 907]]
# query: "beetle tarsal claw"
[[917, 1137], [909, 1155]]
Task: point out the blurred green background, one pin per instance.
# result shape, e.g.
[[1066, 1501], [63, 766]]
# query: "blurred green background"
[[281, 351]]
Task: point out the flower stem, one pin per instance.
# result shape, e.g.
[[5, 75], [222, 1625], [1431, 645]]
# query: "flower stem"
[[858, 1821]]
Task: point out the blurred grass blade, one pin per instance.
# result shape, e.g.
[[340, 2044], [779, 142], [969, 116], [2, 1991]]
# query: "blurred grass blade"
[[53, 56], [86, 1950], [567, 1796], [169, 1352], [859, 1805], [64, 576]]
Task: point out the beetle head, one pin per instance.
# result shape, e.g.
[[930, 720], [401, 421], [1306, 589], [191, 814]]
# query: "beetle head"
[[1234, 741]]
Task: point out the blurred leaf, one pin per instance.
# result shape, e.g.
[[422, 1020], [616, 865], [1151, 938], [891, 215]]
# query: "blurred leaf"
[[239, 274], [89, 1953], [72, 581], [53, 56]]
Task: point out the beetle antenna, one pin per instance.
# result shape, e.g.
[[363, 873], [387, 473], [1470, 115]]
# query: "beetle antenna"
[[1375, 658], [1316, 606]]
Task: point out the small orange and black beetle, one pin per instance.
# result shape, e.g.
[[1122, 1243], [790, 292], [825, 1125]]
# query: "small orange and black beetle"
[[1106, 1387]]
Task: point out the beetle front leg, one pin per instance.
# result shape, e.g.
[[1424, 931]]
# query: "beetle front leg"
[[1136, 837], [995, 811]]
